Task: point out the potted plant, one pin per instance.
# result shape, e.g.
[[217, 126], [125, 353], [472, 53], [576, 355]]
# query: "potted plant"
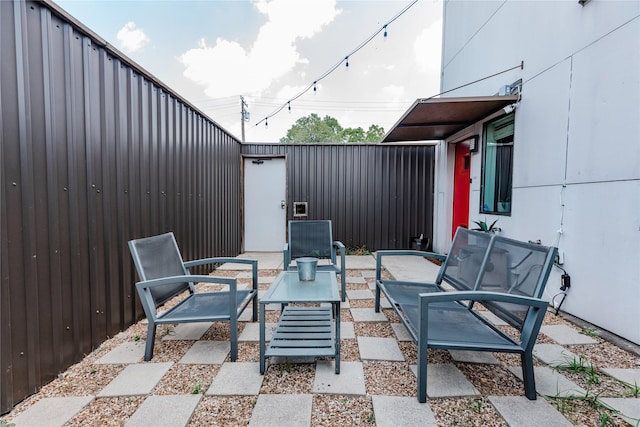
[[482, 226]]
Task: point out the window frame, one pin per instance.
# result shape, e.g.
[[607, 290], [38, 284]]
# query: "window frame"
[[506, 119]]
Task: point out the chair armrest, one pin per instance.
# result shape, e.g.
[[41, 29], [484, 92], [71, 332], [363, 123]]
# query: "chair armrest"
[[286, 257], [223, 260], [339, 245], [402, 252]]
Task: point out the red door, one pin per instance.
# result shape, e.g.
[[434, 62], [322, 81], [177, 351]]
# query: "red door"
[[461, 186]]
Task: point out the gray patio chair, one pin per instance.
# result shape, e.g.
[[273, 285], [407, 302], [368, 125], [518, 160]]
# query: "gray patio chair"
[[163, 276], [313, 238]]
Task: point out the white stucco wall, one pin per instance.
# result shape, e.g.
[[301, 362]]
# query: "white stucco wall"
[[577, 139]]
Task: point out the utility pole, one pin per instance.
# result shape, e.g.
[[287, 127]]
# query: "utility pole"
[[244, 114]]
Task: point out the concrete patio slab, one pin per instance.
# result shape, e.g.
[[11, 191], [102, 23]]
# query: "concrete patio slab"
[[276, 410], [629, 408], [266, 261], [629, 376], [350, 380], [411, 268], [359, 262], [355, 279], [392, 411], [165, 411], [51, 411], [188, 331], [445, 380], [553, 354], [207, 353], [359, 294], [550, 382], [374, 348], [566, 335], [401, 332], [473, 357], [125, 353], [347, 331], [135, 380], [251, 332], [369, 274], [236, 379], [367, 315], [519, 411], [493, 318]]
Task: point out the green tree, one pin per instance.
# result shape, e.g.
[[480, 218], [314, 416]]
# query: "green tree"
[[313, 129]]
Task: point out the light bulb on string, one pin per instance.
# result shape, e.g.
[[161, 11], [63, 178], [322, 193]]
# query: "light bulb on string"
[[315, 89], [266, 122], [385, 31], [289, 105], [346, 58]]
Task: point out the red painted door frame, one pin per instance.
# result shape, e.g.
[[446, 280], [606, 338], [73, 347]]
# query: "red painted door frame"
[[461, 186]]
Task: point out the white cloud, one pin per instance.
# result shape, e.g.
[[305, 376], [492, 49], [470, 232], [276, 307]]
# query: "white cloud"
[[427, 48], [131, 38], [227, 68]]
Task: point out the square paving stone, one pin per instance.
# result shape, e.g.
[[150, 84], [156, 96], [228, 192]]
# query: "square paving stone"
[[473, 357], [135, 380], [374, 348], [236, 379], [550, 382], [51, 411], [347, 331], [493, 318], [355, 279], [367, 315], [188, 331], [251, 332], [629, 408], [207, 353], [276, 410], [401, 332], [349, 381], [359, 294], [553, 354], [125, 353], [566, 335], [445, 380], [165, 411], [519, 411], [629, 376], [392, 411]]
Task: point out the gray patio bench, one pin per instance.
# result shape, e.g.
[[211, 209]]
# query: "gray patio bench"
[[504, 276]]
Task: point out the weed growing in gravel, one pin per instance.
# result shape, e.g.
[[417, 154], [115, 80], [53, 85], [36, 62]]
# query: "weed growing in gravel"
[[4, 423], [196, 389], [590, 332], [137, 337], [581, 366], [93, 371]]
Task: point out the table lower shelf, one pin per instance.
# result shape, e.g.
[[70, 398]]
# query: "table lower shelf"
[[303, 331]]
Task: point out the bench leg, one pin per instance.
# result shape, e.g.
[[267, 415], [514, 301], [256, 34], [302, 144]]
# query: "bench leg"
[[151, 337], [528, 376], [377, 304], [422, 372]]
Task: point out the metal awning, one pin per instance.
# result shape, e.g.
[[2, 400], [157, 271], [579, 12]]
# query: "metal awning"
[[439, 118]]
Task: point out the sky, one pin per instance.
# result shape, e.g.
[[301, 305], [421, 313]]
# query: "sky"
[[211, 52]]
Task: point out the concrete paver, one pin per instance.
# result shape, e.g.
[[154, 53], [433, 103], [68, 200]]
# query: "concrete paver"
[[235, 379], [566, 335], [550, 382], [165, 411], [359, 294], [401, 332], [629, 376], [207, 353], [276, 410], [553, 354], [473, 357], [520, 411], [629, 408], [251, 332], [392, 411], [355, 279], [136, 379], [367, 315], [51, 411], [357, 262], [125, 353], [445, 380], [350, 380], [374, 348], [188, 331]]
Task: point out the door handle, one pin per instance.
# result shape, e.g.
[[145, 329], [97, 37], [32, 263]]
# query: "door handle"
[[282, 204]]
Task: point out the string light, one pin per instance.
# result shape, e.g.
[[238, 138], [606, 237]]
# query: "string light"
[[289, 103], [346, 58]]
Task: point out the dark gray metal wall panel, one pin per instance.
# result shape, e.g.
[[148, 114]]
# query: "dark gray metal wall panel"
[[94, 152], [378, 196]]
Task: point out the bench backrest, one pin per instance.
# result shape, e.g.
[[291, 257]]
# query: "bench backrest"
[[517, 268], [462, 266], [156, 257], [311, 239]]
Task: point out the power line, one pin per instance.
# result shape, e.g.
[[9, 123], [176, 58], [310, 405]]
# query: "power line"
[[344, 60]]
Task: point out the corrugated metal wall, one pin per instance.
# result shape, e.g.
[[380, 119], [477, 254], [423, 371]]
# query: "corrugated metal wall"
[[377, 196], [95, 152]]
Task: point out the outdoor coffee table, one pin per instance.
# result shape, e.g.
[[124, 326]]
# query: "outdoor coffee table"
[[303, 331]]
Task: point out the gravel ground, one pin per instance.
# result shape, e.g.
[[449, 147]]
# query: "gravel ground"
[[381, 377]]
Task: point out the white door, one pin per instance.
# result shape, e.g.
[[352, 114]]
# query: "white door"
[[265, 219]]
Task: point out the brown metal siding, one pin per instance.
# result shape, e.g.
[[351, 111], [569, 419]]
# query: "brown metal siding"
[[94, 152], [377, 196]]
